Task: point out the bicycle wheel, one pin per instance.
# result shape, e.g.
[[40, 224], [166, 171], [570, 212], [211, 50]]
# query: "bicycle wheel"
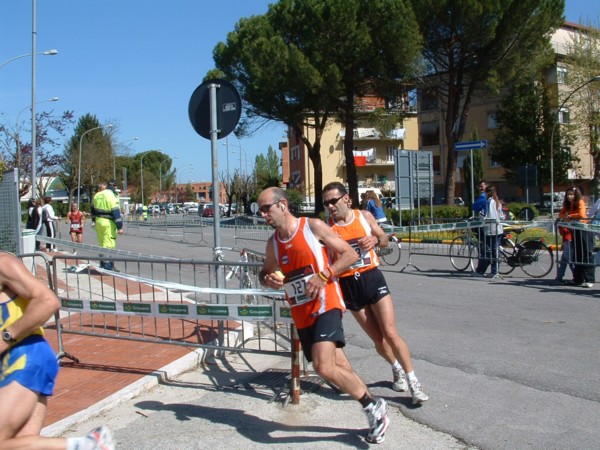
[[462, 251], [536, 259], [392, 256], [246, 283], [503, 267]]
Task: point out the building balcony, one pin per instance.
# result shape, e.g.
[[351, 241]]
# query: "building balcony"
[[370, 134]]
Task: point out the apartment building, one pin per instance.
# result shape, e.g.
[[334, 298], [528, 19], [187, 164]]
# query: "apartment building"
[[373, 149]]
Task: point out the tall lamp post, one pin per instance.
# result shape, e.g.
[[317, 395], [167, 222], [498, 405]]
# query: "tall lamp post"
[[591, 80], [79, 170], [47, 52], [160, 173], [142, 173], [115, 157]]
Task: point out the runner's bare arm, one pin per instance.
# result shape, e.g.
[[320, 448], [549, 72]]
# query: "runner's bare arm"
[[381, 239], [267, 275], [15, 277], [346, 256]]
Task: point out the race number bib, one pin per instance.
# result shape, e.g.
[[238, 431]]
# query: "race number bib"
[[75, 226], [295, 285], [364, 256]]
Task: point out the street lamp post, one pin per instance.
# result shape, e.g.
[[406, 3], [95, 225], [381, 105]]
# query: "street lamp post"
[[160, 173], [80, 148], [115, 158], [142, 174], [47, 52], [591, 80]]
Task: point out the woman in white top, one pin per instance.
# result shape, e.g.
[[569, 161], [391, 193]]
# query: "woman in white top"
[[493, 230], [49, 220]]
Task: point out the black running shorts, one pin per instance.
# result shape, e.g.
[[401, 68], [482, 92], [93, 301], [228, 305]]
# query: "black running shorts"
[[327, 328], [364, 288]]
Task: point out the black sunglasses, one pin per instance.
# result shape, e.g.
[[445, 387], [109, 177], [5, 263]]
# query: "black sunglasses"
[[333, 201], [265, 208]]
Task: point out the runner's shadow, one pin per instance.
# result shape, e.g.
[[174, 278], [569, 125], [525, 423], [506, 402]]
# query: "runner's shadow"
[[259, 430]]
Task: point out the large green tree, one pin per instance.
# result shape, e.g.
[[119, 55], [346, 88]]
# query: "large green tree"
[[267, 170], [306, 60], [474, 46], [97, 156], [525, 121]]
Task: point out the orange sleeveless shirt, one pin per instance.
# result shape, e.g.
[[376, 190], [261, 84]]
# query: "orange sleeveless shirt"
[[351, 233], [300, 257]]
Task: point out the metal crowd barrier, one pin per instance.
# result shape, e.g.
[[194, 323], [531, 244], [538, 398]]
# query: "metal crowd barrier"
[[181, 230], [584, 248], [433, 237], [168, 302]]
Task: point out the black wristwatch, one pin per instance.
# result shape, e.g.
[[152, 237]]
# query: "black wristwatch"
[[7, 337]]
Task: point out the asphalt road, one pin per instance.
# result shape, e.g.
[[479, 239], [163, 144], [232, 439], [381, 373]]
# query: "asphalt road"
[[512, 363]]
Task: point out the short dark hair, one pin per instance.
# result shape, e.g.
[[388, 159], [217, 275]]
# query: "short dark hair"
[[335, 185]]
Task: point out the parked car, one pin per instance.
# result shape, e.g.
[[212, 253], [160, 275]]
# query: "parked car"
[[208, 210]]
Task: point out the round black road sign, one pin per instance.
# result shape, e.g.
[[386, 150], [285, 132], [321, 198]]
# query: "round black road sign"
[[229, 108]]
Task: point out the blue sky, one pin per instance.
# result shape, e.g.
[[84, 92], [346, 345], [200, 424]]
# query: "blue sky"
[[136, 63]]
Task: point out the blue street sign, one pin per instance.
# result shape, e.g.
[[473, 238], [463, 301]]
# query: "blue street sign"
[[470, 145]]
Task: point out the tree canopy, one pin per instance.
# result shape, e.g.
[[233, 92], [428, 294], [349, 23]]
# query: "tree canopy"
[[305, 61], [472, 46]]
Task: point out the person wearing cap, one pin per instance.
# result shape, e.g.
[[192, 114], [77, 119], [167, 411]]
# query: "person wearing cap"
[[106, 213]]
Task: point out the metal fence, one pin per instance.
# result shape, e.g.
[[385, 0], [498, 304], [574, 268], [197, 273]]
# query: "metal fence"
[[579, 252], [10, 219], [437, 237]]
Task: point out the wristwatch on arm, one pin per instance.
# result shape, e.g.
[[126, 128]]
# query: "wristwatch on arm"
[[8, 337]]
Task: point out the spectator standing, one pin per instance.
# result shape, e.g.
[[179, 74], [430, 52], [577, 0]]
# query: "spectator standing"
[[492, 231], [77, 221], [49, 220], [300, 249], [365, 290], [36, 220], [583, 243], [374, 207], [28, 366], [30, 206], [106, 212], [566, 257]]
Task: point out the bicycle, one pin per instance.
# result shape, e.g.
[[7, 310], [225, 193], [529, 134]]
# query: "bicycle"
[[531, 254], [241, 271], [393, 251], [464, 249]]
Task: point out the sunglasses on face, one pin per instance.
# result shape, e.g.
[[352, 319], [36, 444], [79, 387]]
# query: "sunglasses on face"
[[332, 202], [265, 208]]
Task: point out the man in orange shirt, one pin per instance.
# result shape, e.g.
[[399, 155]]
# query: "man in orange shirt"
[[299, 248], [365, 290]]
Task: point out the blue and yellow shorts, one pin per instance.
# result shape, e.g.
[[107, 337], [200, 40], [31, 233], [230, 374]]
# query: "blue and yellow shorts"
[[31, 363]]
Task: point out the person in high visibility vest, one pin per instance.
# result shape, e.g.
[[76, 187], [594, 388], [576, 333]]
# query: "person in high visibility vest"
[[145, 213], [106, 213]]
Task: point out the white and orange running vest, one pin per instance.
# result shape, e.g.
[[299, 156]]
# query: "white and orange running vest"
[[351, 233], [300, 257]]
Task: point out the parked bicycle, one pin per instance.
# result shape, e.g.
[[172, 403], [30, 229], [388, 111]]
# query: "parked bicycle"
[[241, 272], [392, 252], [530, 254], [464, 250]]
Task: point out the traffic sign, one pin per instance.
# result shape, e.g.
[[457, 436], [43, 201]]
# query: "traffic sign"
[[470, 145], [228, 108]]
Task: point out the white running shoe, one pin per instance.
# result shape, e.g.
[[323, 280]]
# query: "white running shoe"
[[399, 384], [378, 421], [100, 438], [418, 396]]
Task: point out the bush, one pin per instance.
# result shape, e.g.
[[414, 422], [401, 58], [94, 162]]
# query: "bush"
[[439, 212]]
